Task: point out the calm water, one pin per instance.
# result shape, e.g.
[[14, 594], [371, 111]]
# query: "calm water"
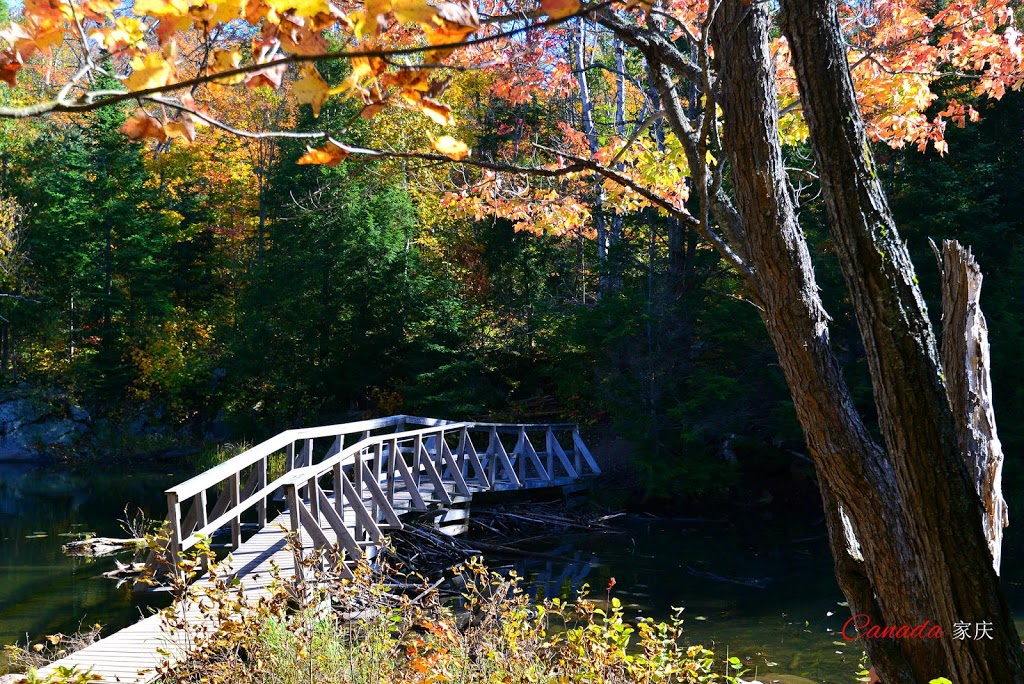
[[787, 624], [790, 626], [745, 586], [42, 591]]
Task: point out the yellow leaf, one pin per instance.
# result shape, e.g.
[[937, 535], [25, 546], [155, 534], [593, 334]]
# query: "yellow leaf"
[[226, 60], [450, 147], [559, 9], [54, 638], [150, 71], [441, 113], [226, 10], [181, 129], [311, 89], [416, 11], [126, 32], [160, 8], [301, 8]]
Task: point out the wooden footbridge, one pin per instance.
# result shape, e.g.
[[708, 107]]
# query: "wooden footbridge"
[[340, 489]]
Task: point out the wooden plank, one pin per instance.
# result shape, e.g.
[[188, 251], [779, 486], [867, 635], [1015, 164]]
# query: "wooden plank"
[[410, 487], [534, 457], [381, 500], [563, 457], [581, 448], [506, 462], [378, 465], [473, 458], [362, 515], [340, 527], [453, 468], [427, 465]]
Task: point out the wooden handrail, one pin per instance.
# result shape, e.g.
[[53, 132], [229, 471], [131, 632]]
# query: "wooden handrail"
[[223, 471], [442, 467], [347, 455]]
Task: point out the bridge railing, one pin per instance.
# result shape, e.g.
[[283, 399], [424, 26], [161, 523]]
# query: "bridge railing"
[[242, 483], [361, 490], [365, 466]]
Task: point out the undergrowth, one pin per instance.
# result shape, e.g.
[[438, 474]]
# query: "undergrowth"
[[359, 631]]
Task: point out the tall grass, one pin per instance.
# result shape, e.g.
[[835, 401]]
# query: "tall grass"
[[361, 632]]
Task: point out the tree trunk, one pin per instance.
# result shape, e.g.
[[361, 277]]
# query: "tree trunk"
[[904, 522], [587, 120], [965, 363]]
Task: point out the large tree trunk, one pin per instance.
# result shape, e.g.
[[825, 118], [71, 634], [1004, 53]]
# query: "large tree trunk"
[[937, 500], [908, 510]]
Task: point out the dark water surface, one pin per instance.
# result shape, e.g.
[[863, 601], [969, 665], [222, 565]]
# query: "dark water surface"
[[42, 591], [759, 584]]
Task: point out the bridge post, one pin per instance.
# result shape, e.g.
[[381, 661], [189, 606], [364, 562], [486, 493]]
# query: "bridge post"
[[291, 493], [261, 482], [235, 483], [174, 517]]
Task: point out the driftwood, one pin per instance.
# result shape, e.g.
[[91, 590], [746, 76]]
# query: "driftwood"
[[753, 582], [966, 364], [102, 546]]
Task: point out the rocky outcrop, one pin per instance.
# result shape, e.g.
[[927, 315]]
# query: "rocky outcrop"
[[33, 422]]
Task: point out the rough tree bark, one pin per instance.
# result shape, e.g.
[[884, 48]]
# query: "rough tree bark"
[[911, 505], [904, 516]]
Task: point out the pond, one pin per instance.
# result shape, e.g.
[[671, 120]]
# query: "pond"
[[42, 591], [758, 584]]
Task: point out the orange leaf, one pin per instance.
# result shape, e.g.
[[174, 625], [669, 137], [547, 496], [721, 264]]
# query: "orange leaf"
[[97, 10], [301, 40], [9, 65], [450, 147], [559, 9], [370, 111], [441, 113], [142, 125], [328, 155], [270, 77]]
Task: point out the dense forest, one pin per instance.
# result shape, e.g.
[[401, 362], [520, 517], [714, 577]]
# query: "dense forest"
[[223, 284], [700, 227]]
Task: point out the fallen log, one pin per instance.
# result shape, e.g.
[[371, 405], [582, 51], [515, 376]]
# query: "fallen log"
[[753, 582], [102, 546]]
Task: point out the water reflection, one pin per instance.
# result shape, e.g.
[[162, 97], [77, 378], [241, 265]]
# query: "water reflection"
[[743, 586], [41, 590]]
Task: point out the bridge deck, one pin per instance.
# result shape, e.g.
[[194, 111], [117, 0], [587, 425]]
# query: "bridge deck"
[[134, 653], [348, 499]]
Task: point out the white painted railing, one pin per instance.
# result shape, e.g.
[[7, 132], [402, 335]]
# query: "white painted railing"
[[375, 470]]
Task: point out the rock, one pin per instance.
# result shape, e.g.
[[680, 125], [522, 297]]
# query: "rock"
[[18, 412], [219, 430], [32, 421]]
